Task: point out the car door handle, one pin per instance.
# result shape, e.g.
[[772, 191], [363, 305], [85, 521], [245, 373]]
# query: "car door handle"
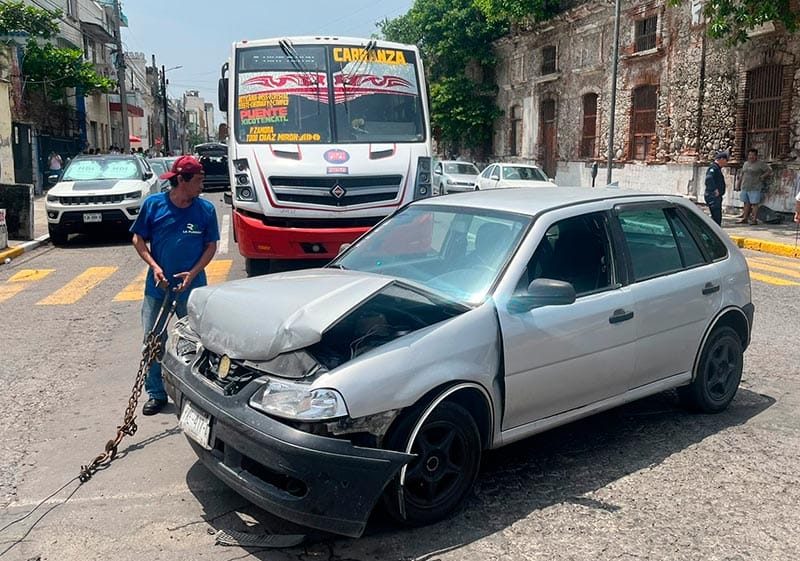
[[619, 316], [710, 288]]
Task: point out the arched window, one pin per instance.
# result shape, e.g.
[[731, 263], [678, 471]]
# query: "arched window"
[[589, 134]]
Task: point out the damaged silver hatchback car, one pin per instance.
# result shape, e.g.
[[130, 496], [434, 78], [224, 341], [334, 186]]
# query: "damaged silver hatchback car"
[[459, 324]]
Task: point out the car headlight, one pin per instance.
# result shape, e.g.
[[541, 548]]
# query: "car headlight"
[[133, 195], [449, 181], [298, 402], [52, 198], [183, 342]]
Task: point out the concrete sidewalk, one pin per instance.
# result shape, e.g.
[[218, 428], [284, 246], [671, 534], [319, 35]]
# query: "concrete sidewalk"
[[777, 239]]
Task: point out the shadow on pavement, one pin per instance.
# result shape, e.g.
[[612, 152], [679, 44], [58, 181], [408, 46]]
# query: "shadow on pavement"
[[559, 466]]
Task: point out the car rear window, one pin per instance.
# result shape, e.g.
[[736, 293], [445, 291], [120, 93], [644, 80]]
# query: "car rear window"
[[714, 246]]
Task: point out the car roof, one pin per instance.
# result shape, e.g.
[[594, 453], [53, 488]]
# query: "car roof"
[[526, 200], [454, 162], [513, 165]]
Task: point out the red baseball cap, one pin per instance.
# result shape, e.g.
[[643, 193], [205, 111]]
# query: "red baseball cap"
[[184, 164]]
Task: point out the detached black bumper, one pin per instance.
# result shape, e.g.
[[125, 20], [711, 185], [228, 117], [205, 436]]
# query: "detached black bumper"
[[319, 482]]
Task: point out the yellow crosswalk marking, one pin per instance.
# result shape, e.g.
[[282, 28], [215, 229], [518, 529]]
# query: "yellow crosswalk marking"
[[772, 280], [20, 280], [789, 264], [78, 287], [7, 291], [27, 275], [779, 270], [134, 292], [217, 271]]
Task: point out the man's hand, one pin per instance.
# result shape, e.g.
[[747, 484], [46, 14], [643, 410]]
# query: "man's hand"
[[797, 216], [186, 279], [159, 277], [716, 192]]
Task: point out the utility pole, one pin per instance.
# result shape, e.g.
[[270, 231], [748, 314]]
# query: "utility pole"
[[166, 112], [614, 66], [121, 78]]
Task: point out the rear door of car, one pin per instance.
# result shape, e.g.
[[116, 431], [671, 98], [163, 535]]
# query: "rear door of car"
[[675, 286], [559, 358]]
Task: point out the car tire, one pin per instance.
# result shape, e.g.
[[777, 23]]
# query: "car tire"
[[256, 267], [57, 236], [439, 479], [718, 373]]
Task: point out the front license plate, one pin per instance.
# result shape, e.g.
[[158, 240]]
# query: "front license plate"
[[196, 425], [92, 217]]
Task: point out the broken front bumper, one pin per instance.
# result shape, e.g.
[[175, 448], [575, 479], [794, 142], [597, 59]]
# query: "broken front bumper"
[[319, 482]]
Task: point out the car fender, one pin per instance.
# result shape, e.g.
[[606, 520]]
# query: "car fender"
[[724, 313]]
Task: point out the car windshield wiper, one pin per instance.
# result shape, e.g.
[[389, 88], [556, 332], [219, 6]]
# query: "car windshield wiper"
[[337, 266]]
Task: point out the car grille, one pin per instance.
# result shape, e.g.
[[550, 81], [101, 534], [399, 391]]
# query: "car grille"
[[336, 191], [91, 199], [238, 376]]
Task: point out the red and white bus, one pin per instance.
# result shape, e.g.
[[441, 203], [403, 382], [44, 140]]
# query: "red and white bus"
[[327, 136]]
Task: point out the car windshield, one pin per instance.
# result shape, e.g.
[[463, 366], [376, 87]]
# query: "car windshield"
[[455, 251], [102, 168], [461, 168], [523, 173]]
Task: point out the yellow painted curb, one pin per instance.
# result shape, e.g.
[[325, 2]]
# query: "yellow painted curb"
[[11, 253], [774, 248]]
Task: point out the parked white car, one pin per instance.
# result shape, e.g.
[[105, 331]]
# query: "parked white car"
[[453, 177], [98, 191], [459, 324], [499, 176]]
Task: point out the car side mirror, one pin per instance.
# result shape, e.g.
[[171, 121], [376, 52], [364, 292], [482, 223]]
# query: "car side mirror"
[[437, 172], [495, 178], [540, 293], [148, 175]]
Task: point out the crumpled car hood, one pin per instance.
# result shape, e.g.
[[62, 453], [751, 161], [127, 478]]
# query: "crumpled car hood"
[[262, 317]]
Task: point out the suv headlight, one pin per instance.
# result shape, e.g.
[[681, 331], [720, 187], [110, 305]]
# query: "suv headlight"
[[52, 198], [133, 195], [298, 402]]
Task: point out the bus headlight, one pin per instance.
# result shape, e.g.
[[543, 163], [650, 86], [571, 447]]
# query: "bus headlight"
[[422, 185]]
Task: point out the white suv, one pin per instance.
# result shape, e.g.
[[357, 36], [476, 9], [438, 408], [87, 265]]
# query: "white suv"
[[96, 191]]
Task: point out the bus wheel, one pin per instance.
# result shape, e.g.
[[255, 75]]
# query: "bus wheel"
[[256, 267]]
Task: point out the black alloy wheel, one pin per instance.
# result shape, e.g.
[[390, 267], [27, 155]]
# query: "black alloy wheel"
[[718, 374], [448, 451]]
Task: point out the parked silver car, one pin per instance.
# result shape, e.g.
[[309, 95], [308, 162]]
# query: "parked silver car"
[[453, 177], [457, 325], [502, 176]]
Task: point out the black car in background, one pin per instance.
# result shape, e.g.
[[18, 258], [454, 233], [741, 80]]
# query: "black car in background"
[[214, 157]]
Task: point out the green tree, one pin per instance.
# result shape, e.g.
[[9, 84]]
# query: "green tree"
[[732, 19], [45, 67], [727, 19], [453, 35]]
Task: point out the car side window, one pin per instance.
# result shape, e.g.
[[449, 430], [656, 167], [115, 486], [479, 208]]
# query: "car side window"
[[715, 247], [690, 251], [576, 250], [651, 243], [487, 172], [438, 168]]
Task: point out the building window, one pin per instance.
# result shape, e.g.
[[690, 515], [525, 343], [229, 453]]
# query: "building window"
[[643, 124], [548, 60], [517, 68], [645, 33], [71, 8], [515, 134], [589, 126], [764, 89]]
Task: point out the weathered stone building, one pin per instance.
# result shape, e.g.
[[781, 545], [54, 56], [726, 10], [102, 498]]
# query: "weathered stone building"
[[681, 96]]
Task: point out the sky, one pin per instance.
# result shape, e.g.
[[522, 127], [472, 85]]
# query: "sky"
[[197, 35]]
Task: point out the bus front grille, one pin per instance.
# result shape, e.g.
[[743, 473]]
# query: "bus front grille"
[[336, 191]]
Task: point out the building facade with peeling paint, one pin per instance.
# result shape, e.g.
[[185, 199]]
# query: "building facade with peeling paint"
[[681, 97]]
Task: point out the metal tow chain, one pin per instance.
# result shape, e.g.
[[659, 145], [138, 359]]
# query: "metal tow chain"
[[152, 353]]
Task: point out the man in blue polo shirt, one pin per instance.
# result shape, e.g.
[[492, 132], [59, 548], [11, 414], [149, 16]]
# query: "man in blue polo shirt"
[[182, 232]]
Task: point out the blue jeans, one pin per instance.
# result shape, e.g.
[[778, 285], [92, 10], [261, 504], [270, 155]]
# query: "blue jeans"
[[153, 384]]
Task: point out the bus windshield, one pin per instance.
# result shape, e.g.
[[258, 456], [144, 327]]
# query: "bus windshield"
[[327, 94]]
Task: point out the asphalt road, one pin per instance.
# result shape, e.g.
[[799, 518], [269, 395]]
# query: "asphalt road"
[[645, 481]]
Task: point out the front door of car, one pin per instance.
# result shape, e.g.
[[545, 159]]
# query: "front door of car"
[[483, 178], [558, 358], [677, 290]]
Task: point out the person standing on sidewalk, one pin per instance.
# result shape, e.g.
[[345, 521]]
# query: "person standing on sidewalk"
[[182, 231], [715, 186], [754, 173]]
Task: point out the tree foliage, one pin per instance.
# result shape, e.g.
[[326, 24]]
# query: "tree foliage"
[[45, 67], [518, 10], [732, 19], [452, 35]]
